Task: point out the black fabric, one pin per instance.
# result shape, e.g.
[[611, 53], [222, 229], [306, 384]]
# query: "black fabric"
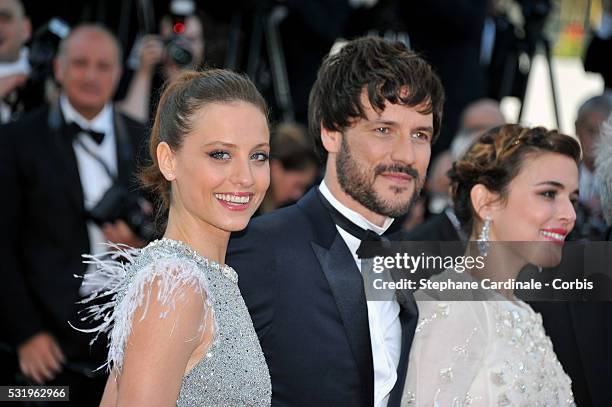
[[365, 235], [597, 58], [438, 228], [581, 333], [73, 129], [453, 49], [44, 229], [306, 297]]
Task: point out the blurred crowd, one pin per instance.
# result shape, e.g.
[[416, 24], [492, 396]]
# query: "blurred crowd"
[[79, 82]]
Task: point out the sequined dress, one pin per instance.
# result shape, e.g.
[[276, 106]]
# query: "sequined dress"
[[483, 353], [233, 371]]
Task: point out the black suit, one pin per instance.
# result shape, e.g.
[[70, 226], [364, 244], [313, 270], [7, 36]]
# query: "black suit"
[[306, 297], [438, 228], [596, 58], [43, 224], [581, 333]]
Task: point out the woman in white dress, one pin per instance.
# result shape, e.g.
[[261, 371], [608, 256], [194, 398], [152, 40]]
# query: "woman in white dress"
[[515, 185]]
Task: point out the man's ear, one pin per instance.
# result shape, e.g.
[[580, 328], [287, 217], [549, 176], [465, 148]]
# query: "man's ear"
[[57, 70], [27, 24], [166, 161], [484, 201], [332, 140]]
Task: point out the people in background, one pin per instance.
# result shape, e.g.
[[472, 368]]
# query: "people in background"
[[293, 166]]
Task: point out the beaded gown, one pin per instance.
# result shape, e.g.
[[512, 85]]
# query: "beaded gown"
[[233, 371], [482, 353]]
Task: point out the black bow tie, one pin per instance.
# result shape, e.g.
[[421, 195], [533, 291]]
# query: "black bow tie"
[[74, 130], [365, 235]]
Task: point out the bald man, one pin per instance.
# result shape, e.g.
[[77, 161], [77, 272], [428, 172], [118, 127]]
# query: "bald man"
[[56, 165]]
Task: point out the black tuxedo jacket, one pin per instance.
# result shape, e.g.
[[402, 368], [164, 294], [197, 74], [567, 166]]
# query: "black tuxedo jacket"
[[439, 229], [581, 333], [307, 301], [43, 229]]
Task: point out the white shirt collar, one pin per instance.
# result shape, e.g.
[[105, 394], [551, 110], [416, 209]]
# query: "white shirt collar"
[[351, 215], [21, 66], [103, 122]]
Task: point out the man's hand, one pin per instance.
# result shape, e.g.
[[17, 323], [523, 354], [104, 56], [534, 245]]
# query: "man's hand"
[[40, 358], [119, 232], [151, 53], [10, 83]]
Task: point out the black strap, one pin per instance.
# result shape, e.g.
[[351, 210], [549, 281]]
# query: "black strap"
[[57, 125], [364, 235], [99, 159]]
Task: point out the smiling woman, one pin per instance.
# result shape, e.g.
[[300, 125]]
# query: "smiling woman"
[[515, 187], [180, 333]]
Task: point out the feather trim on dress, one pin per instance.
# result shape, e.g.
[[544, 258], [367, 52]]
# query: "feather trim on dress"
[[125, 276]]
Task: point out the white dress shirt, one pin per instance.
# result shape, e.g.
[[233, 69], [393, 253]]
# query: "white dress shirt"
[[383, 316], [20, 67], [95, 181]]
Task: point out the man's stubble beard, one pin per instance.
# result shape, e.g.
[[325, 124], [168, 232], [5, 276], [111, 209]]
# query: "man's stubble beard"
[[359, 185]]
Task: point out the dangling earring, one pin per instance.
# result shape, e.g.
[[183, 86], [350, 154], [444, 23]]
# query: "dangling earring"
[[540, 269], [483, 238]]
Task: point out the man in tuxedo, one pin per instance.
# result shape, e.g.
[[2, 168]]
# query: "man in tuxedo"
[[374, 111], [56, 164]]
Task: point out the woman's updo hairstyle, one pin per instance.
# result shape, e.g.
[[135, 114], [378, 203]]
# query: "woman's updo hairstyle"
[[180, 100], [496, 158]]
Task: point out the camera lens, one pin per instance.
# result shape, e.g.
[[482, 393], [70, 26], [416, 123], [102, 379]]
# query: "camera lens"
[[179, 52]]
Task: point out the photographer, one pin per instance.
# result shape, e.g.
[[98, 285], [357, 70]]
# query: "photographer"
[[66, 170], [18, 93], [180, 45]]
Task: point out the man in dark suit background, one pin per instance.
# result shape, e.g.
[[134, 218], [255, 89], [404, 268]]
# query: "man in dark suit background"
[[373, 112], [56, 164]]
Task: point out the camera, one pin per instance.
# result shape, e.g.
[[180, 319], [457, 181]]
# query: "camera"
[[44, 47], [179, 51], [118, 203], [178, 47]]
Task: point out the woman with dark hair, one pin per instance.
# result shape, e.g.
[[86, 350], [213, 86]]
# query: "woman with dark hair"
[[180, 333], [513, 193]]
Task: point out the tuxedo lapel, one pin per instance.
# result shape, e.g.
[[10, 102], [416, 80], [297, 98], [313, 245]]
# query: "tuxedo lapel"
[[408, 318], [585, 316], [61, 147], [124, 148], [346, 285]]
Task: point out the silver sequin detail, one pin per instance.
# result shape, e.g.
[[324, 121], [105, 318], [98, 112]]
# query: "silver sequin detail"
[[443, 311], [409, 398], [233, 371], [528, 373]]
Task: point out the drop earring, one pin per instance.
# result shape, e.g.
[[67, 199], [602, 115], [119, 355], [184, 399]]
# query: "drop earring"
[[483, 238]]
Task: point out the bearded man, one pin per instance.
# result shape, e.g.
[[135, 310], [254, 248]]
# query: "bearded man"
[[374, 112]]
